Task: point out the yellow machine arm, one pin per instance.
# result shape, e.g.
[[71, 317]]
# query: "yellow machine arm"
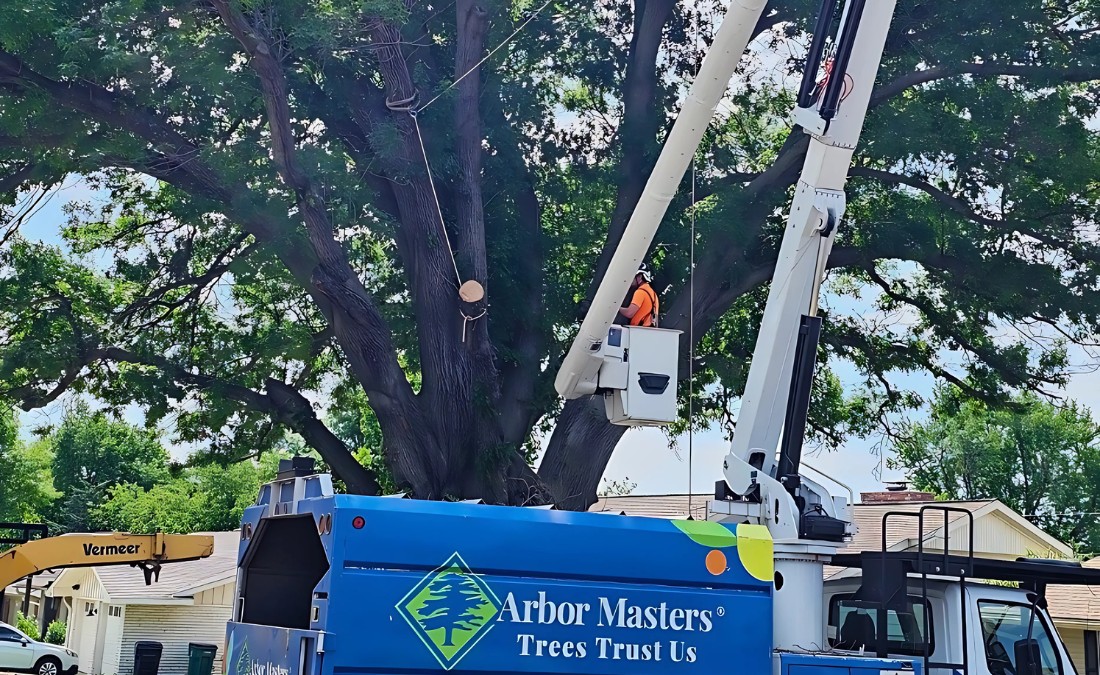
[[147, 551]]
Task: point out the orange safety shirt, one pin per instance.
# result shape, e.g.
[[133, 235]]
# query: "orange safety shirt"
[[646, 299]]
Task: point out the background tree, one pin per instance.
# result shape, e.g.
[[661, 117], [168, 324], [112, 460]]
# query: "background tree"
[[293, 236], [1040, 460], [92, 454], [26, 491], [202, 499]]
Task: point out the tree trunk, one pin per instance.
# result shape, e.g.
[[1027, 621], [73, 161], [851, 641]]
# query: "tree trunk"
[[641, 122], [578, 453]]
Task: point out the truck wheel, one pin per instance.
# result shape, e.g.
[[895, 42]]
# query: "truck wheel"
[[48, 666]]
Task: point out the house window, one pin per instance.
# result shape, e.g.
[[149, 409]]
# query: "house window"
[[114, 611], [856, 626], [1006, 623]]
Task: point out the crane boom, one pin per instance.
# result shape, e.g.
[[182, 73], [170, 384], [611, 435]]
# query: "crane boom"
[[579, 374], [777, 388], [147, 551]]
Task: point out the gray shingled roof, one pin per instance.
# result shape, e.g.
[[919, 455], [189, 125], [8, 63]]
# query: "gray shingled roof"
[[177, 580], [1075, 603], [38, 582]]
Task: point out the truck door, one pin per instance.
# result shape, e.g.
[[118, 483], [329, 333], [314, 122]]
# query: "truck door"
[[1006, 623]]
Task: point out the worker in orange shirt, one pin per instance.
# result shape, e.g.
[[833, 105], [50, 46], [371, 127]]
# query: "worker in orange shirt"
[[643, 304]]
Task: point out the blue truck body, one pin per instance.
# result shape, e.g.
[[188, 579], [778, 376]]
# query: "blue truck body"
[[342, 584]]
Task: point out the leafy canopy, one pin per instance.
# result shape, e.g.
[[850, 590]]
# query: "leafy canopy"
[[1040, 460], [272, 237]]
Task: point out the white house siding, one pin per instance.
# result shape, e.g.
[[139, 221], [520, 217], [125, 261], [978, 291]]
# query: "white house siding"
[[112, 639], [997, 533], [90, 591], [174, 626], [222, 595], [1074, 639], [995, 536]]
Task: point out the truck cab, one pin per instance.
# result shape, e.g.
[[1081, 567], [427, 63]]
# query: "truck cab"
[[951, 611], [997, 618]]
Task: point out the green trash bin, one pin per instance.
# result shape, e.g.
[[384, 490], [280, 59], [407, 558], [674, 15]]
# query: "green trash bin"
[[200, 658]]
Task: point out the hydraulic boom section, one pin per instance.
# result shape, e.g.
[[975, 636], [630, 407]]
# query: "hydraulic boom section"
[[635, 367], [766, 485], [147, 551]]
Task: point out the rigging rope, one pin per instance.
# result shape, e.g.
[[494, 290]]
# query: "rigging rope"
[[470, 291], [435, 195], [489, 55], [691, 305]]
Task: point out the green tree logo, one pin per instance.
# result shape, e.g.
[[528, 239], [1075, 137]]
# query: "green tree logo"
[[244, 661], [450, 610]]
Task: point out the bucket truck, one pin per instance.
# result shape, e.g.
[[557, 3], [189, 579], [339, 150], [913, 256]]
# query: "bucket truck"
[[333, 584]]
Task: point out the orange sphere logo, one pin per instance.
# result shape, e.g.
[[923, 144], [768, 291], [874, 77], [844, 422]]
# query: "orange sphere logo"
[[716, 562]]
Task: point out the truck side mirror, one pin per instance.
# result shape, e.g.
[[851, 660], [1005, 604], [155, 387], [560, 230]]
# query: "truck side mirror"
[[1028, 659]]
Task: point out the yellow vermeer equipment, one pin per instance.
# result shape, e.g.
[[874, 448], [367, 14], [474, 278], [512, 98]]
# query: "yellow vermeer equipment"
[[146, 551]]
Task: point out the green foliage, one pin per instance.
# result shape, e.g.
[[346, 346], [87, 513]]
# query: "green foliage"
[[203, 499], [26, 491], [1041, 460], [617, 488], [189, 294], [55, 633], [27, 626], [93, 454]]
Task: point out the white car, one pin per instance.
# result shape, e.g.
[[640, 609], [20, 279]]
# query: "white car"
[[20, 654]]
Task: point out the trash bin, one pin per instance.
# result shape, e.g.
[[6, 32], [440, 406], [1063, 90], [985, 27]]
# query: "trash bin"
[[200, 658], [147, 658]]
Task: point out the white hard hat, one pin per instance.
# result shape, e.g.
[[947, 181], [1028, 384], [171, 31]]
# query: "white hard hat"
[[643, 272]]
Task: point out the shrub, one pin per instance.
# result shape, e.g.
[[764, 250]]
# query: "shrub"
[[55, 633], [28, 626]]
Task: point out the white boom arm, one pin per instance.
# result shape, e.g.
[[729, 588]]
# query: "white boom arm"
[[818, 205], [579, 374]]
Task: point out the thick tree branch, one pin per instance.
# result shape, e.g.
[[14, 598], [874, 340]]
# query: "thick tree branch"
[[637, 133], [991, 69], [472, 26], [361, 329], [282, 403]]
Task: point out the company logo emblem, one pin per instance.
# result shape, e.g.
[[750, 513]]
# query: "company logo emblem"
[[450, 610], [242, 665]]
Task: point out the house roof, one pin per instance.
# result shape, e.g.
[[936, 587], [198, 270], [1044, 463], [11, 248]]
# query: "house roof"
[[180, 580], [656, 506], [39, 581], [868, 521], [1075, 603]]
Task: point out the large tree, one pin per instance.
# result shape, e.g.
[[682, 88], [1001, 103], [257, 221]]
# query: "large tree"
[[327, 173]]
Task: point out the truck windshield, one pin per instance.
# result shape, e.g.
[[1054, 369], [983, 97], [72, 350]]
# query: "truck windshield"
[[853, 625], [1005, 623]]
